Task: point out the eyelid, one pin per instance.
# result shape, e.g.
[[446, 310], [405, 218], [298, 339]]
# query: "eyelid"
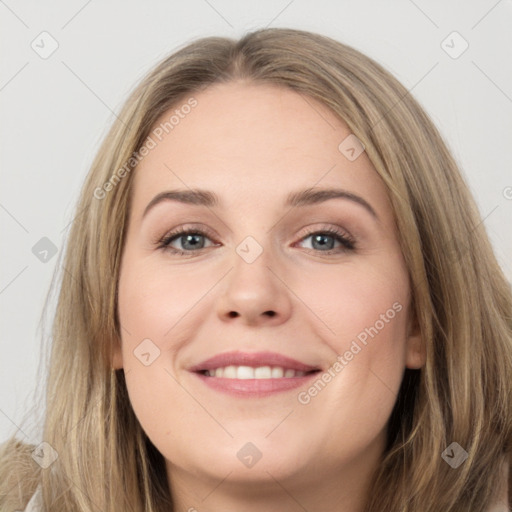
[[185, 227], [329, 228]]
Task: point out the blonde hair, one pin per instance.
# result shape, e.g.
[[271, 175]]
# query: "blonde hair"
[[461, 299]]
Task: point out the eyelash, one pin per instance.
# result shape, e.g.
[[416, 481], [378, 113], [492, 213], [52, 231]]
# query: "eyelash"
[[348, 243]]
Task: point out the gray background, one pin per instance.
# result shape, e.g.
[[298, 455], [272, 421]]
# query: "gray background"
[[55, 111]]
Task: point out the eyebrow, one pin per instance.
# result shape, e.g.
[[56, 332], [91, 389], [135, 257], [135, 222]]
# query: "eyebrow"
[[306, 197]]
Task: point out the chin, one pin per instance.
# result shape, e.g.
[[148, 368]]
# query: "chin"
[[258, 461]]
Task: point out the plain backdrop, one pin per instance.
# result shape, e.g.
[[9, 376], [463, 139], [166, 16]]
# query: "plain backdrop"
[[56, 107]]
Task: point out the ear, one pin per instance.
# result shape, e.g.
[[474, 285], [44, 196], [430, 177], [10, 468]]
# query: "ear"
[[117, 354], [416, 354]]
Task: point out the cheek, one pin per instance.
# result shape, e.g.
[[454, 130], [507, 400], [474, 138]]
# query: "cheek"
[[357, 302], [158, 310], [153, 301], [365, 311]]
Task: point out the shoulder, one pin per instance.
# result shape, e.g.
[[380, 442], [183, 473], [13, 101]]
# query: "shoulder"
[[502, 503], [34, 505], [19, 474]]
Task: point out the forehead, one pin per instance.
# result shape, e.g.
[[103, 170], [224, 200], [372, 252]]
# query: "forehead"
[[251, 140]]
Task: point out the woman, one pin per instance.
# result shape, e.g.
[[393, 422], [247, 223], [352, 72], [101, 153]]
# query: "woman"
[[212, 351]]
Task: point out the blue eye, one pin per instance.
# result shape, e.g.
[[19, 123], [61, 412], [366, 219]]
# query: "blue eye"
[[193, 240], [190, 240], [325, 239]]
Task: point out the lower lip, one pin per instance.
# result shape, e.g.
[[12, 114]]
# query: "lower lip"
[[255, 387]]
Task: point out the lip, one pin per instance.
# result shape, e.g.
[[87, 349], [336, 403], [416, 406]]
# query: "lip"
[[253, 388], [253, 359]]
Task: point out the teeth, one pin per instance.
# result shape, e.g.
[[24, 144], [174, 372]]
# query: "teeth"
[[263, 372], [242, 372], [277, 373], [229, 372], [248, 372]]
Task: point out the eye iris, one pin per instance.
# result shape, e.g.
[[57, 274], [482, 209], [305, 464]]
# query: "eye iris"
[[190, 239], [321, 238]]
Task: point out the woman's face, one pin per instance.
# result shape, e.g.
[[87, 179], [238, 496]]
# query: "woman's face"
[[304, 305]]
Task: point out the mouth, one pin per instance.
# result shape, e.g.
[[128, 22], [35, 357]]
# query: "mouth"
[[253, 374], [259, 372]]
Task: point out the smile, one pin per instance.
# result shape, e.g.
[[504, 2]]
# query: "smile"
[[253, 374], [248, 372]]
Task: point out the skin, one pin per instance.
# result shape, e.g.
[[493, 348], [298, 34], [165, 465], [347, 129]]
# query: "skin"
[[252, 145]]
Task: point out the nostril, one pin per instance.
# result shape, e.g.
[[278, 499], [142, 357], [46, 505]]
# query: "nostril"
[[234, 314]]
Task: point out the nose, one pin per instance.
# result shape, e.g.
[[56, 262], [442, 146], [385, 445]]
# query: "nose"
[[255, 293]]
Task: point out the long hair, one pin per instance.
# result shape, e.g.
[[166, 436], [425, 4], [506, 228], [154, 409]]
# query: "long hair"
[[461, 299]]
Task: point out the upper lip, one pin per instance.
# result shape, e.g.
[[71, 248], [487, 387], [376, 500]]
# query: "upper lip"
[[253, 359]]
